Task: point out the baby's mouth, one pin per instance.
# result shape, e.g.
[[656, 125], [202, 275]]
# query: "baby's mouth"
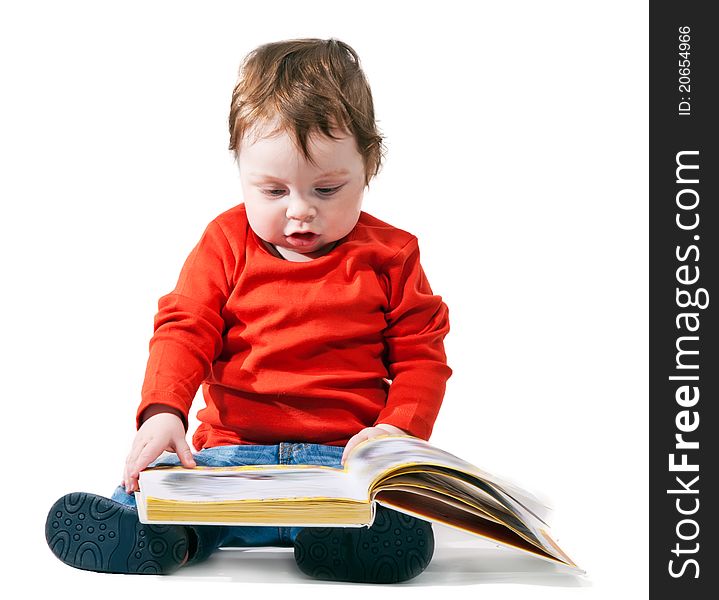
[[302, 239]]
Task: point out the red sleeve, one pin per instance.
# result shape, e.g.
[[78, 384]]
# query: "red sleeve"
[[417, 322], [189, 326]]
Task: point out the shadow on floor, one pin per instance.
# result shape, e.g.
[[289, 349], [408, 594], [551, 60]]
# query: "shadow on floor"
[[457, 561]]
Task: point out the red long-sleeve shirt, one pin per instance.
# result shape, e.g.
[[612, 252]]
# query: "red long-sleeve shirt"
[[299, 351]]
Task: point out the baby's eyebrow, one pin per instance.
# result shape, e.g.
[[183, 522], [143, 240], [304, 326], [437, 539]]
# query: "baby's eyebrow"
[[327, 174], [335, 172]]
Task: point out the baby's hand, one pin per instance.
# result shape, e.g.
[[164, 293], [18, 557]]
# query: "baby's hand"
[[163, 431], [370, 432]]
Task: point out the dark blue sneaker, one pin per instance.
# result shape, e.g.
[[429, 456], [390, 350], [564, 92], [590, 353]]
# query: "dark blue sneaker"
[[94, 533], [397, 547]]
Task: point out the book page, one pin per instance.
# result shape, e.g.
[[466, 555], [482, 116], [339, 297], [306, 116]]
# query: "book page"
[[213, 484], [370, 459], [426, 507], [450, 484], [438, 496], [446, 484], [376, 458]]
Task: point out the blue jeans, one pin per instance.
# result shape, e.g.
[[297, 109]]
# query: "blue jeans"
[[284, 453]]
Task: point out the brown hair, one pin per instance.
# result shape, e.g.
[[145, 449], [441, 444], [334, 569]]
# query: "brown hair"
[[307, 85]]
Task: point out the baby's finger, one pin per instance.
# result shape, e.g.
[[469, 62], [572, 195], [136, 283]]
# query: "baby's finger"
[[347, 449], [149, 453], [131, 485], [130, 474], [130, 462], [183, 452], [354, 440], [128, 480]]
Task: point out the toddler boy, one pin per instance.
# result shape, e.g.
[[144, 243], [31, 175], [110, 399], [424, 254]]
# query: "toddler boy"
[[309, 325]]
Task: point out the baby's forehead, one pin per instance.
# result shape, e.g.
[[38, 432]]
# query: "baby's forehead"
[[274, 129], [267, 147]]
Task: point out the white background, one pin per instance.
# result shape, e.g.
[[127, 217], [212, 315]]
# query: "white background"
[[517, 153]]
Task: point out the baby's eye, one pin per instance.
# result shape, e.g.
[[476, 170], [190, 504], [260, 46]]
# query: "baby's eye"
[[274, 193], [328, 191]]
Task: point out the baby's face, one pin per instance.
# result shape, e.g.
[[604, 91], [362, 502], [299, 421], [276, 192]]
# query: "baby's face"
[[300, 208]]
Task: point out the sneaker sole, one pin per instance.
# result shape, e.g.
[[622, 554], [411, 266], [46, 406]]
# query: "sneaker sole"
[[396, 548], [94, 533]]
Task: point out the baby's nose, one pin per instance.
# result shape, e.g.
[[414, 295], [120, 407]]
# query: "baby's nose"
[[300, 210]]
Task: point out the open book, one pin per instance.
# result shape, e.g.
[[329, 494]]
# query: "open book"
[[400, 472]]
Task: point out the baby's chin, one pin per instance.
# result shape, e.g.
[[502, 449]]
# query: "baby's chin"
[[313, 251], [291, 253]]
